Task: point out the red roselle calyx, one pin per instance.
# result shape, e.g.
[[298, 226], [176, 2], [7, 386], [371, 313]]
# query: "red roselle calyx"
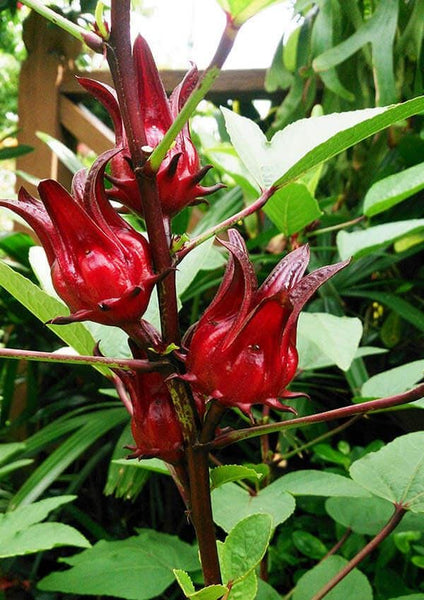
[[179, 176], [101, 266], [154, 423], [243, 349]]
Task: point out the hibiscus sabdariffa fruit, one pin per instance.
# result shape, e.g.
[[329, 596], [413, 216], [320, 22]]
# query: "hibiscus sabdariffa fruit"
[[100, 265], [243, 349], [179, 175]]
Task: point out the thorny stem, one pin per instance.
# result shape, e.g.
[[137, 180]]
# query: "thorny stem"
[[395, 519], [242, 214], [231, 437]]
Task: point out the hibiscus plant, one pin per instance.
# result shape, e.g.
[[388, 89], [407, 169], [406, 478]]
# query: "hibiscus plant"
[[241, 355]]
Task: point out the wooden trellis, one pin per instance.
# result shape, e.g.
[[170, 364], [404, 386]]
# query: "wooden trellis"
[[50, 98]]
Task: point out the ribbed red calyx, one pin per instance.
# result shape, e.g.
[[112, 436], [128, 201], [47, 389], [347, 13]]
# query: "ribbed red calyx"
[[243, 349], [100, 265], [179, 176]]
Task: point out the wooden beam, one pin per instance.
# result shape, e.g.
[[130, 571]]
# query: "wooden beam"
[[85, 126], [232, 83]]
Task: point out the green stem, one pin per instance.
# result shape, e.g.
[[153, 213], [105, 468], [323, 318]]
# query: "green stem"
[[89, 37], [225, 439], [209, 76], [395, 519]]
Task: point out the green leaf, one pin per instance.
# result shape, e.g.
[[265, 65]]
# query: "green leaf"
[[9, 450], [148, 464], [137, 568], [40, 537], [311, 141], [242, 10], [15, 151], [44, 307], [292, 208], [361, 243], [325, 339], [245, 589], [96, 425], [379, 31], [211, 592], [66, 156], [22, 533], [319, 483], [231, 504], [309, 545], [245, 546], [367, 516], [410, 597], [395, 472], [266, 592], [123, 481], [394, 381], [18, 464], [355, 585], [391, 190], [226, 473]]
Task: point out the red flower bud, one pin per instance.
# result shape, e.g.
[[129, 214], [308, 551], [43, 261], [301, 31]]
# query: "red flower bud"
[[154, 424], [243, 349], [180, 174], [100, 265]]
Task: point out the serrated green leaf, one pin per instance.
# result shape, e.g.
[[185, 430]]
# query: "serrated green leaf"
[[266, 592], [211, 592], [245, 589], [231, 504], [395, 472], [292, 208], [355, 585], [245, 546], [137, 568], [311, 141], [325, 339], [361, 243], [226, 473]]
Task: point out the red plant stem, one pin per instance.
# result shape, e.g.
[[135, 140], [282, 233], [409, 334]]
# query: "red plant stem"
[[231, 437], [338, 544], [119, 55], [114, 363], [395, 519], [242, 214]]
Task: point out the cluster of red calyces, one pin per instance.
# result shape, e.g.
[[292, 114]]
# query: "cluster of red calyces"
[[242, 351]]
